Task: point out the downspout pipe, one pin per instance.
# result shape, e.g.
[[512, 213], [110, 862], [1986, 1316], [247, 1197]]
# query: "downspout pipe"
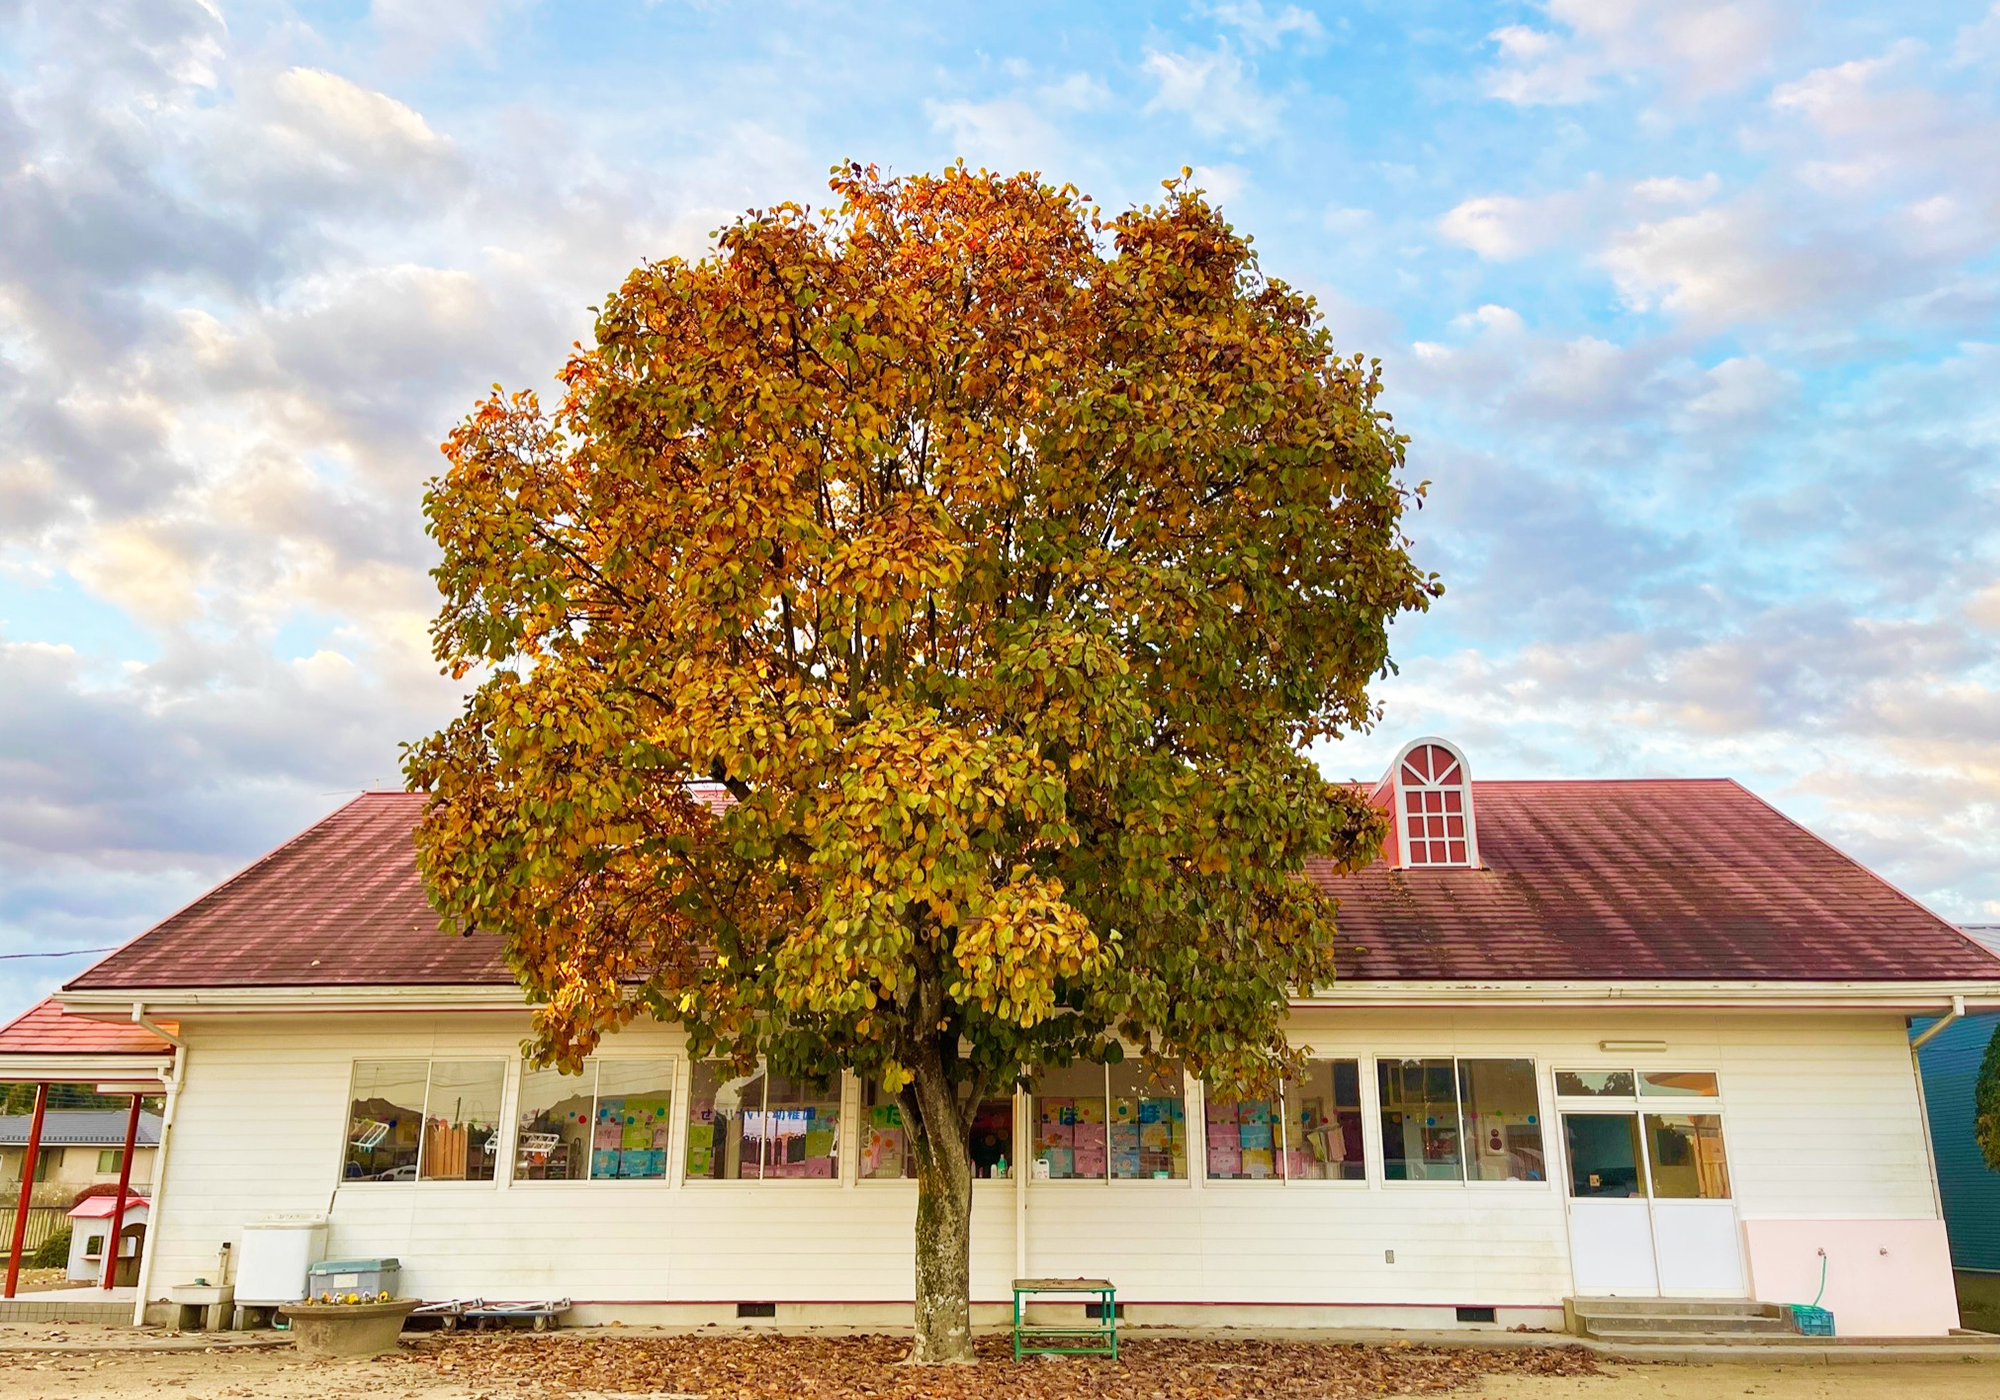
[[1939, 1026], [153, 1216], [1930, 1033]]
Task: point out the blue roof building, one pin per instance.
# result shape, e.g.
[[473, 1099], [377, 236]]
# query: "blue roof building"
[[1970, 1188]]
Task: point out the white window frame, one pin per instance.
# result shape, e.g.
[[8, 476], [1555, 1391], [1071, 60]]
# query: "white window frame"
[[1643, 1104], [1362, 1182], [1402, 814], [676, 1127], [845, 1159], [1188, 1099], [979, 1183], [1464, 1180], [502, 1136]]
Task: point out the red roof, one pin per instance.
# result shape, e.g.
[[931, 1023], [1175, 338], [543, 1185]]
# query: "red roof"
[[1693, 879], [1583, 880], [101, 1207], [47, 1029], [341, 904]]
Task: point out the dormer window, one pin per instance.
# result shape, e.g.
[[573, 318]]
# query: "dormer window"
[[1434, 806]]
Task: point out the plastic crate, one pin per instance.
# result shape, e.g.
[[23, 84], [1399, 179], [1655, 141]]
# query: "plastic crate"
[[365, 1278], [1811, 1321]]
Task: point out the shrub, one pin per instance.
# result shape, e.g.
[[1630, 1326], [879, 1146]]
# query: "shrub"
[[53, 1253]]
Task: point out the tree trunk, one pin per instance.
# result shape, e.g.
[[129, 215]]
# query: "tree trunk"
[[941, 1139]]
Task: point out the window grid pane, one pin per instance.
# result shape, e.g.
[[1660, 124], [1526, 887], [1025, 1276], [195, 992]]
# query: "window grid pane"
[[724, 1113], [554, 1116], [1503, 1120], [462, 1121], [1420, 1124], [1148, 1122], [1069, 1123], [1685, 1153], [1322, 1130], [385, 1120], [634, 1120]]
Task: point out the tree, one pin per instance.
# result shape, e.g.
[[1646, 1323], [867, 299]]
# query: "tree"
[[1000, 559]]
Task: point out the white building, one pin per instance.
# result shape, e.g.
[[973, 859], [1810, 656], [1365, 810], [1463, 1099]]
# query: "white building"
[[1645, 1038]]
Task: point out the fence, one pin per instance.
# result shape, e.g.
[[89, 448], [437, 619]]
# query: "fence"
[[43, 1221]]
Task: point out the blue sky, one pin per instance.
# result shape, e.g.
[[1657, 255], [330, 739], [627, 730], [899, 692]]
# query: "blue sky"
[[1692, 309]]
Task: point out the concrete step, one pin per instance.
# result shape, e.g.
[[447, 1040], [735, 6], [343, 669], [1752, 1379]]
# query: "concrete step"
[[1683, 1324], [1711, 1307]]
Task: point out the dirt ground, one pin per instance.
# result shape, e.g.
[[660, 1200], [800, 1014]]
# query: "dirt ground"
[[476, 1368]]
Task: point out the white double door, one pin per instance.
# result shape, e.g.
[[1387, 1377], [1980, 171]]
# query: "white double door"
[[1650, 1212]]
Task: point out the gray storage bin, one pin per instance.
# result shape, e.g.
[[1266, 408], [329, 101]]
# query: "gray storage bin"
[[363, 1277]]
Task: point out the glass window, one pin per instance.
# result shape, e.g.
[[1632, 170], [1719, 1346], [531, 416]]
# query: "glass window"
[[462, 1121], [1503, 1120], [718, 1104], [1420, 1128], [611, 1122], [801, 1128], [110, 1160], [1322, 1138], [1594, 1083], [555, 1113], [747, 1127], [1243, 1137], [385, 1120], [885, 1148], [1677, 1084], [1603, 1154], [1069, 1123], [885, 1143], [1147, 1119], [1684, 1151], [634, 1120]]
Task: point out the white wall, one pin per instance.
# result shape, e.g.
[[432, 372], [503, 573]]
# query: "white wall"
[[1821, 1123]]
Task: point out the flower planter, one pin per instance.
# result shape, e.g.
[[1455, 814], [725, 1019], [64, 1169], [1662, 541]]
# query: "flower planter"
[[348, 1329]]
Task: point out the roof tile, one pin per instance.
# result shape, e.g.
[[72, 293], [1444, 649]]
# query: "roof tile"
[[1638, 880]]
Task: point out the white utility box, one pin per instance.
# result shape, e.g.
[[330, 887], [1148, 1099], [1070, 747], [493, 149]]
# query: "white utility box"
[[277, 1251]]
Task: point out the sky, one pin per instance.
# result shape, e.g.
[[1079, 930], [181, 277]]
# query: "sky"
[[1691, 309]]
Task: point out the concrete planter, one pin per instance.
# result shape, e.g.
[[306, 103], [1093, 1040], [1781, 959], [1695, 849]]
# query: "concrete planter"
[[348, 1329]]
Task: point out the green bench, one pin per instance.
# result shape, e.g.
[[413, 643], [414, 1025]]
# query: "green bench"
[[1098, 1339]]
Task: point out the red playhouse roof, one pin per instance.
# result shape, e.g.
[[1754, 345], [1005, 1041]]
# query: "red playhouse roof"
[[46, 1029], [100, 1207], [1579, 880]]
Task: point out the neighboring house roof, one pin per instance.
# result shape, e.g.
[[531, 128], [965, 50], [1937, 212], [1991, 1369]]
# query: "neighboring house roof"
[[46, 1029], [1636, 880], [79, 1127]]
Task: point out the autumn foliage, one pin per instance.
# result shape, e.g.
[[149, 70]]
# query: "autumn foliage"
[[1000, 559]]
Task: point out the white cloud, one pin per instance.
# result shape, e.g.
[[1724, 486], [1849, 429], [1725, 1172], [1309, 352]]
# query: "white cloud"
[[1016, 132], [1694, 48], [1214, 89], [1502, 227], [1264, 28], [1222, 182], [1741, 389]]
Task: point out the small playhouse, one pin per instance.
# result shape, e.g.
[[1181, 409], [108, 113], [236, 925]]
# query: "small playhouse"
[[90, 1223]]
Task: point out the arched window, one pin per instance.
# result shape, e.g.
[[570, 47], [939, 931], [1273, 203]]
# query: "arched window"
[[1434, 806]]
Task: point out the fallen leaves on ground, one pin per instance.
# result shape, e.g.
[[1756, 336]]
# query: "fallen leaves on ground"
[[865, 1368]]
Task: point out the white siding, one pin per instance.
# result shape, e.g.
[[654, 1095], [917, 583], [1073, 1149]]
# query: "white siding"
[[1821, 1122]]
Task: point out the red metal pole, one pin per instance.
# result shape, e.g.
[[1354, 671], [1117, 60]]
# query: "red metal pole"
[[109, 1267], [27, 1187]]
